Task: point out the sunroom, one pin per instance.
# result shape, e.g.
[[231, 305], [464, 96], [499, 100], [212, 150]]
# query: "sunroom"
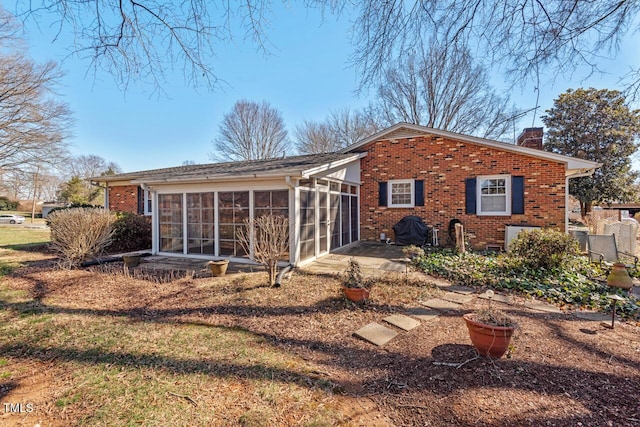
[[197, 210]]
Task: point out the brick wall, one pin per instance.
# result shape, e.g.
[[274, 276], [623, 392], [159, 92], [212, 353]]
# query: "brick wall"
[[444, 164], [124, 198]]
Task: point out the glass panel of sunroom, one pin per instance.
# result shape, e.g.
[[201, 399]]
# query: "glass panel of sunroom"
[[170, 222], [200, 223]]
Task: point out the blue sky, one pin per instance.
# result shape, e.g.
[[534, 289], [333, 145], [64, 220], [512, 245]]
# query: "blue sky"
[[306, 77]]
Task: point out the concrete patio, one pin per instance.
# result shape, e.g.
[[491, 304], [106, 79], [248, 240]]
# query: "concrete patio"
[[373, 257]]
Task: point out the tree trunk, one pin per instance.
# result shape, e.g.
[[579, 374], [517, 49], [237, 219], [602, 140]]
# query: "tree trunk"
[[273, 270], [585, 208]]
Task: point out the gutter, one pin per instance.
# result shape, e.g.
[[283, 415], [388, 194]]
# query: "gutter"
[[583, 172]]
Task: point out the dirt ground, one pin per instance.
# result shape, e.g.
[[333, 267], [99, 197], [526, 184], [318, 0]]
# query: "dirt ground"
[[561, 371]]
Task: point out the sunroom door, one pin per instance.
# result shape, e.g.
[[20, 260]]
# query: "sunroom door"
[[323, 220]]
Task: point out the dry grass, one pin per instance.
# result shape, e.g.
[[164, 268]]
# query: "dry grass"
[[101, 347]]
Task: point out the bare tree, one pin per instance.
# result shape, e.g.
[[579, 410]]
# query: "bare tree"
[[339, 130], [251, 131], [140, 38], [91, 165], [524, 36], [350, 126], [33, 125], [314, 137], [267, 239], [443, 88]]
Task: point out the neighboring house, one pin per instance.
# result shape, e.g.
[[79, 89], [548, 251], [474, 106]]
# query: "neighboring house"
[[47, 207], [336, 199]]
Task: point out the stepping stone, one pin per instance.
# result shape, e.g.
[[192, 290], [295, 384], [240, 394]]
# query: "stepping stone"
[[459, 289], [376, 334], [422, 313], [593, 315], [454, 297], [401, 321], [497, 297], [440, 304], [393, 266], [541, 306], [439, 282]]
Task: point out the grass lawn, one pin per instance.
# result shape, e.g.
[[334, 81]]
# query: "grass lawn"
[[17, 237], [102, 347]]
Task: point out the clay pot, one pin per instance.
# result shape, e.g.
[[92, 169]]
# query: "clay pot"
[[619, 277], [356, 294], [218, 268], [489, 340], [131, 260]]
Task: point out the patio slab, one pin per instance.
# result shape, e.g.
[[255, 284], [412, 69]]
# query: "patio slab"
[[455, 297], [593, 316], [459, 289], [403, 322], [497, 297], [440, 304], [393, 265], [376, 334], [422, 313]]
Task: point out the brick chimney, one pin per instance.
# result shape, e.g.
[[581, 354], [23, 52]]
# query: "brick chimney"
[[531, 138]]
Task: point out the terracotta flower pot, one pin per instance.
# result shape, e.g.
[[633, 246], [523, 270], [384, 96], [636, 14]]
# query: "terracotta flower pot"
[[131, 260], [218, 268], [489, 340], [619, 277], [356, 294]]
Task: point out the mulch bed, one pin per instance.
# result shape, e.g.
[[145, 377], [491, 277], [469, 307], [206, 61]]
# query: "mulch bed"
[[561, 371]]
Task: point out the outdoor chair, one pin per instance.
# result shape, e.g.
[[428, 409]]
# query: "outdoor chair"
[[604, 251]]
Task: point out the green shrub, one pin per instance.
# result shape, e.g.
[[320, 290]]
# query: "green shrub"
[[8, 205], [570, 285], [80, 234], [131, 232], [544, 248]]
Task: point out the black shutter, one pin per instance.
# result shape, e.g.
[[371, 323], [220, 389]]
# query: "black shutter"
[[140, 200], [517, 195], [382, 194], [419, 192], [470, 195]]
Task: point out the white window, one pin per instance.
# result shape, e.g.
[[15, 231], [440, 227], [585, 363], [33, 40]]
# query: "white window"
[[148, 202], [401, 193], [494, 195]]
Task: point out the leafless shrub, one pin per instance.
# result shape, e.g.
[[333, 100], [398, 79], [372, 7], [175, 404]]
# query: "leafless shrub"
[[80, 234], [267, 238], [147, 275]]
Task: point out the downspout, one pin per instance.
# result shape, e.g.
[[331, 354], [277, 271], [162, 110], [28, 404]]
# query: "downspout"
[[293, 233], [281, 275]]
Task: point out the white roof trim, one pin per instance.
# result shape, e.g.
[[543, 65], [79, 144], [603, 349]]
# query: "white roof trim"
[[572, 163], [332, 165], [304, 173]]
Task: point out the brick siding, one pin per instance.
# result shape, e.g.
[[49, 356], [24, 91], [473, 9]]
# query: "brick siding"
[[124, 198], [444, 164]]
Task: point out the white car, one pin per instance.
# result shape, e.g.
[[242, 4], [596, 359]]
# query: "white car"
[[11, 219]]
